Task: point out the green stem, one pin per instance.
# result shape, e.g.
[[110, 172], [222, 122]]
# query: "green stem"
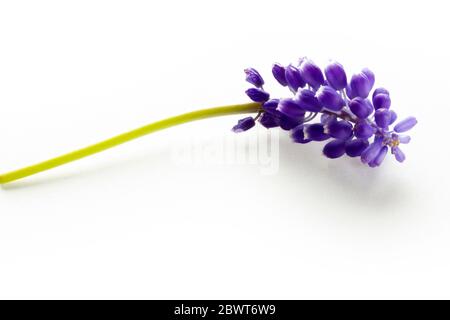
[[128, 136]]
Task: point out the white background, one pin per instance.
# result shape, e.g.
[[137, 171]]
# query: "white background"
[[132, 223]]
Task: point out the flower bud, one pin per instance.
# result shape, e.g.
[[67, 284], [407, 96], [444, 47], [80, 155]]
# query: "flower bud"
[[379, 91], [298, 135], [399, 155], [252, 76], [361, 107], [363, 130], [382, 117], [279, 73], [257, 95], [349, 92], [379, 157], [361, 85], [354, 148], [293, 78], [402, 139], [339, 129], [291, 108], [329, 98], [287, 123], [370, 75], [311, 73], [393, 117], [271, 106], [268, 120], [336, 75], [371, 152], [334, 149], [308, 101], [244, 124], [381, 100], [405, 124], [315, 132]]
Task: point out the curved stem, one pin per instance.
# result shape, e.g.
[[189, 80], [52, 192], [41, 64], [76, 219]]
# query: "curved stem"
[[128, 136]]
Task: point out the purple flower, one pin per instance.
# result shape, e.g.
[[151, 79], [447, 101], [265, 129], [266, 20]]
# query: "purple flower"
[[315, 132], [257, 95], [344, 111], [268, 120], [291, 108], [349, 92], [334, 149], [401, 139], [271, 106], [330, 99], [336, 76], [393, 117], [339, 129], [294, 79], [361, 107], [380, 91], [381, 100], [308, 101], [252, 76], [244, 124], [364, 130], [370, 75], [287, 123], [382, 117], [379, 157], [279, 73], [298, 135], [354, 148], [399, 155], [394, 142], [372, 151], [311, 73], [405, 125], [361, 85]]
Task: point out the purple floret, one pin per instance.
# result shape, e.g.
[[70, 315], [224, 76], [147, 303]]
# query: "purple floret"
[[244, 124], [257, 95], [279, 73], [253, 77], [336, 76], [334, 149], [311, 73]]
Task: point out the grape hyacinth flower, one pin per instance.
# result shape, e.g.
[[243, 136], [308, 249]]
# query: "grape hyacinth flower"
[[350, 122], [349, 119], [311, 73], [336, 76], [253, 77], [244, 124]]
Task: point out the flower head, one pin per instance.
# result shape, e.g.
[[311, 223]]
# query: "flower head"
[[353, 124]]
